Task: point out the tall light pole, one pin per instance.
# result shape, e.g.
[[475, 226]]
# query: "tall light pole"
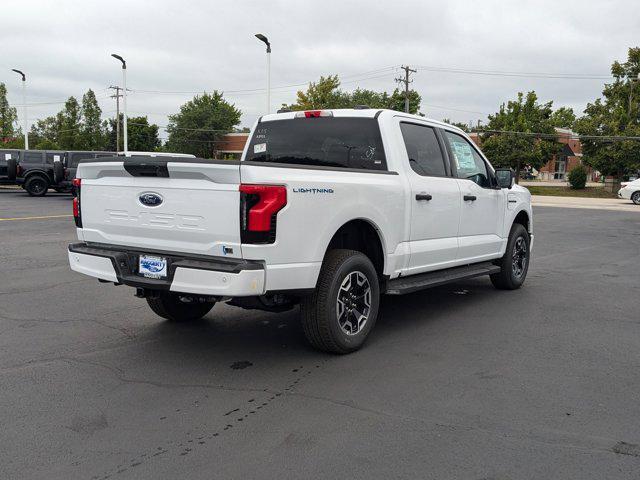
[[264, 39], [124, 99], [24, 105]]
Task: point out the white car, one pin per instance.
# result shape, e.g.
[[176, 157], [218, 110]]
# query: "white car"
[[328, 209], [630, 191]]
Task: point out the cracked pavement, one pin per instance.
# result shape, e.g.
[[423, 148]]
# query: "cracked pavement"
[[461, 381]]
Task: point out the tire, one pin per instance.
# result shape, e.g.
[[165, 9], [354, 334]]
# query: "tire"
[[12, 169], [513, 270], [58, 172], [36, 186], [635, 197], [343, 276], [172, 307]]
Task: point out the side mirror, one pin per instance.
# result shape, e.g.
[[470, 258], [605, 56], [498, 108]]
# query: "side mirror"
[[505, 177]]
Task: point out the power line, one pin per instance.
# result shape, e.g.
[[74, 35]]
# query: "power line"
[[500, 73], [573, 136]]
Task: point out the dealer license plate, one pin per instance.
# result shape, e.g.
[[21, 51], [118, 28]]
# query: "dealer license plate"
[[152, 267]]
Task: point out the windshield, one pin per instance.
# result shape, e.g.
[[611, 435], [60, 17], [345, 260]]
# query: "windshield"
[[325, 141]]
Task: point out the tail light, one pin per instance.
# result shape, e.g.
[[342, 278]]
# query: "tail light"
[[77, 213], [259, 206]]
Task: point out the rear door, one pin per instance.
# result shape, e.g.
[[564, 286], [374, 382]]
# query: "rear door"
[[482, 207], [163, 204], [435, 205]]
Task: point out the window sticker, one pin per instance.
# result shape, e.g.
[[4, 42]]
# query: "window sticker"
[[464, 156], [56, 158], [7, 156], [260, 148]]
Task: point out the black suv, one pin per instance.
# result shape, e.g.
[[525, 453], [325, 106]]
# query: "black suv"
[[39, 170]]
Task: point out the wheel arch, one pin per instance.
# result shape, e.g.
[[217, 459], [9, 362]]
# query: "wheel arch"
[[363, 235], [30, 173], [524, 219]]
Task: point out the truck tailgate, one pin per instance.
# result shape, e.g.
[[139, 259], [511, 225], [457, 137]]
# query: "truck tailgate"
[[189, 206]]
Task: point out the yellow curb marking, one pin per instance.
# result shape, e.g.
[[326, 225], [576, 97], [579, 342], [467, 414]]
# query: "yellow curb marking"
[[34, 218]]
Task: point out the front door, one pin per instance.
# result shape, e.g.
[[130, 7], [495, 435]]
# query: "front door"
[[435, 200], [482, 206]]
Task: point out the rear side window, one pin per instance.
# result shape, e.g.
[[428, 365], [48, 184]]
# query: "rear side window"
[[53, 157], [32, 157], [423, 149], [323, 142]]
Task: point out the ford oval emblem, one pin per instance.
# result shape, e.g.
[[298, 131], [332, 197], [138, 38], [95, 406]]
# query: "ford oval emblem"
[[150, 199]]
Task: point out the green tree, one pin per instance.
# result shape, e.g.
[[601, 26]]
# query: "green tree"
[[563, 117], [46, 144], [141, 135], [69, 119], [326, 94], [462, 126], [528, 117], [617, 114], [91, 133], [45, 129], [8, 117], [200, 123]]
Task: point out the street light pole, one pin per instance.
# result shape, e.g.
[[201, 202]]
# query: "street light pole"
[[265, 40], [124, 100], [24, 106]]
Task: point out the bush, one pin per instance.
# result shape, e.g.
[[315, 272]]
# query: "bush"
[[578, 178]]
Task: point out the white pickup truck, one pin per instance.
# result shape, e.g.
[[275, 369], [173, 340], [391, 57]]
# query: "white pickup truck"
[[328, 209]]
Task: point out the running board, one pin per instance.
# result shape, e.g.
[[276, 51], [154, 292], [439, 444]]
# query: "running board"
[[413, 283]]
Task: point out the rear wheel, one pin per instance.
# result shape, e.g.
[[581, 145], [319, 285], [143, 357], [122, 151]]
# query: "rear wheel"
[[339, 315], [178, 308], [635, 197], [515, 262], [36, 186]]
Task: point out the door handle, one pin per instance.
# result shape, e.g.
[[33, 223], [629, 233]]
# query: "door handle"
[[469, 198], [423, 196]]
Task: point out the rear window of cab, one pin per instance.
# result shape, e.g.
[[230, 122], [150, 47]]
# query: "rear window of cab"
[[333, 142]]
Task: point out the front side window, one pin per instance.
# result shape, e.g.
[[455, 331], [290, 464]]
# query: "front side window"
[[324, 142], [423, 149], [469, 163]]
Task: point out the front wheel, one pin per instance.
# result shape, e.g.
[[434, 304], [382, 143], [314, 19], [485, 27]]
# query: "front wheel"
[[339, 315], [514, 265], [635, 197], [178, 308]]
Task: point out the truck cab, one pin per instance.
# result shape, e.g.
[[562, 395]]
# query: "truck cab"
[[328, 209]]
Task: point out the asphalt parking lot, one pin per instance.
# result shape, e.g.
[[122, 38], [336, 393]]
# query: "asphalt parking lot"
[[462, 381]]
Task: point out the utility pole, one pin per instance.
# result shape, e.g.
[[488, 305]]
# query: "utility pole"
[[406, 81], [117, 96]]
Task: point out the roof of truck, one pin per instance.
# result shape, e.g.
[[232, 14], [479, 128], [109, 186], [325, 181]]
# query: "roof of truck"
[[363, 112]]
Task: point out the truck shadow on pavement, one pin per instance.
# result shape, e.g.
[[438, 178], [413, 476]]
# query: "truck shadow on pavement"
[[246, 334]]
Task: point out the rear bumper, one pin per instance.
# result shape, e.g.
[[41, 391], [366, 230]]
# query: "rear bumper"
[[197, 275]]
